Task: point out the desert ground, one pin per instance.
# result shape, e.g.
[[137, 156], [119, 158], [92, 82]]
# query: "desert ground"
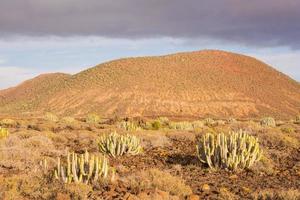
[[167, 167]]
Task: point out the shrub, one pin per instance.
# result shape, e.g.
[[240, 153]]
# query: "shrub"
[[152, 179], [277, 194], [92, 118], [51, 117], [128, 126], [81, 168], [8, 123], [3, 133], [268, 121], [117, 145], [238, 150], [287, 130], [156, 125]]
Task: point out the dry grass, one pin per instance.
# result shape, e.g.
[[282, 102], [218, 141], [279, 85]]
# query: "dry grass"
[[277, 195], [157, 179]]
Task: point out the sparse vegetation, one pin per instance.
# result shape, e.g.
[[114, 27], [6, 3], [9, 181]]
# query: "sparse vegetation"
[[167, 169], [82, 168], [238, 150], [268, 121], [117, 145]]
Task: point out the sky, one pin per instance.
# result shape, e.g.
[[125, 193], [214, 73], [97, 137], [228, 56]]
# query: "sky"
[[71, 35]]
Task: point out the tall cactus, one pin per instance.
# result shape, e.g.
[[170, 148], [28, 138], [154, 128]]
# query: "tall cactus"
[[3, 133], [117, 145], [238, 150], [81, 168]]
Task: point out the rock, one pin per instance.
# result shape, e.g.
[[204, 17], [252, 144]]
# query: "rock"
[[205, 187], [193, 197]]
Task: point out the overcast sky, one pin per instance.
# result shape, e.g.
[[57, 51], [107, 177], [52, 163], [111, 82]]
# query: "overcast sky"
[[70, 35]]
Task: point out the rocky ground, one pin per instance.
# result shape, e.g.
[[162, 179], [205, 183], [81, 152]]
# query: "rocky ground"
[[168, 168]]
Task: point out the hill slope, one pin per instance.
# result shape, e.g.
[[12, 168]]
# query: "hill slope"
[[203, 83]]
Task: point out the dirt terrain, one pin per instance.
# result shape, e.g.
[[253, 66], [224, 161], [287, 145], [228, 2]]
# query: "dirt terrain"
[[168, 167], [196, 84]]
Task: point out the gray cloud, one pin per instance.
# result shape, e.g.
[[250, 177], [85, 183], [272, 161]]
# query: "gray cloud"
[[255, 22]]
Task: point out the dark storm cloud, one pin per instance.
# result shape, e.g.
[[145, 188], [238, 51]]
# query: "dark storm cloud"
[[257, 22]]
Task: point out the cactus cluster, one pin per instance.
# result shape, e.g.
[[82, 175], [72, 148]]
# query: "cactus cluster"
[[268, 121], [3, 133], [238, 150], [81, 168], [117, 145]]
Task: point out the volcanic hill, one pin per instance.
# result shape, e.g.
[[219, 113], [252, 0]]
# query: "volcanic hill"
[[195, 84]]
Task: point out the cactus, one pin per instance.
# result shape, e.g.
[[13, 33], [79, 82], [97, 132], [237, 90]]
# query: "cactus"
[[238, 150], [117, 145], [268, 121], [3, 133], [81, 168]]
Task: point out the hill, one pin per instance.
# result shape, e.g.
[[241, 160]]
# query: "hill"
[[195, 84]]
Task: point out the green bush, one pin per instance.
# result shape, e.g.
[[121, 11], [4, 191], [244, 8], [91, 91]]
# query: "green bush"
[[117, 145], [238, 150], [156, 125]]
